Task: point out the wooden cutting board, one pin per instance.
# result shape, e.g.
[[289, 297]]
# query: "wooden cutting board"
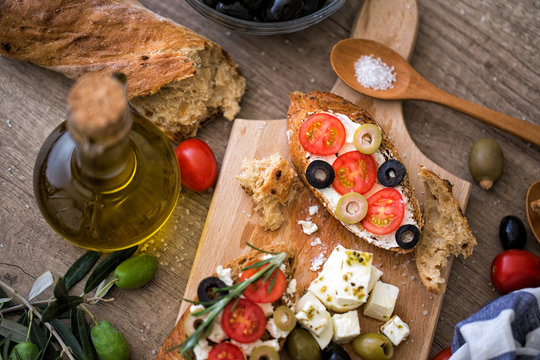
[[232, 221]]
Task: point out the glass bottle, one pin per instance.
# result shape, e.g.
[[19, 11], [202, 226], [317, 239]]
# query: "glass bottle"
[[107, 178]]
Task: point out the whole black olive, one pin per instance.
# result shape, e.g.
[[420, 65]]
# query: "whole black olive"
[[283, 10], [235, 9], [205, 290], [512, 233], [311, 6], [391, 173], [254, 4], [407, 236], [211, 3], [320, 174], [335, 352]]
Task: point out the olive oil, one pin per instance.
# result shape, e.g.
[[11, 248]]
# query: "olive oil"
[[106, 190]]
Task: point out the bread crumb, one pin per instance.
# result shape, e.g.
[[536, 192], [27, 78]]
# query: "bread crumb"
[[270, 182]]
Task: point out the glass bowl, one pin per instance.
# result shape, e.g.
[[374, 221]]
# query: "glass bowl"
[[267, 28]]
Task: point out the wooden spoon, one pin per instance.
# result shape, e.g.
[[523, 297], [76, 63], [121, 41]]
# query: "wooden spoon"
[[410, 85], [533, 217]]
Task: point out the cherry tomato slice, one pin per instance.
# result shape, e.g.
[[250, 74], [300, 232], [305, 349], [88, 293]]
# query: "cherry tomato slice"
[[226, 351], [258, 291], [354, 172], [198, 166], [385, 212], [515, 269], [322, 134], [245, 323]]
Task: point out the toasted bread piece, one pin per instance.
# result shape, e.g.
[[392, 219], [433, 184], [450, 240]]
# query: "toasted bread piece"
[[304, 105], [535, 205], [270, 183], [445, 233], [178, 334]]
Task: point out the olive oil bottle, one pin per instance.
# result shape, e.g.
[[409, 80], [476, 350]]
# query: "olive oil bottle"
[[106, 178]]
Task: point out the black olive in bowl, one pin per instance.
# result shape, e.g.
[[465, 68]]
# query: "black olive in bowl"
[[267, 17]]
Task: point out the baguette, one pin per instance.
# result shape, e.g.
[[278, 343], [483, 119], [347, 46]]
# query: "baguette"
[[304, 105], [178, 334], [176, 78], [446, 232]]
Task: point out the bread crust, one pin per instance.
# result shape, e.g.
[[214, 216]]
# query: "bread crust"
[[301, 107], [78, 37], [446, 232], [178, 335]]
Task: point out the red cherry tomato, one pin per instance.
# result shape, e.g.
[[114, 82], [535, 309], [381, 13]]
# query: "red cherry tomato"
[[322, 134], [385, 212], [226, 351], [444, 354], [354, 172], [243, 321], [515, 269], [198, 166], [258, 291]]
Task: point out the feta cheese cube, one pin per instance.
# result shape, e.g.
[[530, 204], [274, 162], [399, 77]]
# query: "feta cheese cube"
[[274, 331], [308, 227], [312, 314], [382, 301], [313, 210], [202, 349], [346, 326], [217, 334], [195, 308], [267, 308], [396, 330], [224, 275], [343, 282], [374, 277]]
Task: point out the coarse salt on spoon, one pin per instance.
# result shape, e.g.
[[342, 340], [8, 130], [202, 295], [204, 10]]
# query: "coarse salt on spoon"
[[410, 85]]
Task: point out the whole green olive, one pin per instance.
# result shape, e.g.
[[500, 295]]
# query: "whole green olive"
[[486, 162], [109, 343], [302, 346], [135, 271], [373, 346], [25, 351]]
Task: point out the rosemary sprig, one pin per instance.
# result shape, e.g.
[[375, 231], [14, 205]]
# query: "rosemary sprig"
[[213, 309]]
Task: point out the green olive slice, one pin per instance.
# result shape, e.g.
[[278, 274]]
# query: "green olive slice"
[[264, 353], [351, 208], [191, 323], [284, 318], [367, 138]]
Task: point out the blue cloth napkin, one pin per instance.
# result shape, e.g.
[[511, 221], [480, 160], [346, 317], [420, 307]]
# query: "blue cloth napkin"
[[507, 328]]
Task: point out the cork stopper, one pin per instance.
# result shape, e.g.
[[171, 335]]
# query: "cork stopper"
[[97, 105]]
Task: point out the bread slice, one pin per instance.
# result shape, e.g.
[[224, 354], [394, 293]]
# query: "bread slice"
[[178, 335], [446, 232], [304, 105], [270, 183], [176, 78]]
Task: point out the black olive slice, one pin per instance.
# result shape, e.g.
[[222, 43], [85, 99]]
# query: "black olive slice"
[[335, 352], [391, 173], [320, 174], [206, 292], [407, 236]]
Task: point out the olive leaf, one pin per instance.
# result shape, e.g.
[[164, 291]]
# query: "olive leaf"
[[42, 282], [5, 343], [103, 288], [107, 266], [14, 329], [59, 307], [80, 268], [73, 322], [60, 291], [69, 339], [85, 337]]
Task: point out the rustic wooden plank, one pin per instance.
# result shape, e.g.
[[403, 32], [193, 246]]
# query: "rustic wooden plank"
[[458, 52]]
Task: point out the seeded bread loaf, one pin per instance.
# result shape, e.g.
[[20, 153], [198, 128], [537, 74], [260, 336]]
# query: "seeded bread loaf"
[[176, 78], [446, 232], [270, 182], [178, 335], [304, 105]]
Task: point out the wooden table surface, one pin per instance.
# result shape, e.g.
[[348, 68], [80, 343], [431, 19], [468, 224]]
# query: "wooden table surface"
[[485, 51]]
